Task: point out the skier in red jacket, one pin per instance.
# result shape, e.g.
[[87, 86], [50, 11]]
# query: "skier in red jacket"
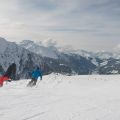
[[9, 74]]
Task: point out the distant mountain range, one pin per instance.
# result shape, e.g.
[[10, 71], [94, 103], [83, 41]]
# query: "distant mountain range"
[[28, 54], [53, 51], [38, 48]]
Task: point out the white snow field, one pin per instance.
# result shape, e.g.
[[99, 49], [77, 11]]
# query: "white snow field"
[[59, 97]]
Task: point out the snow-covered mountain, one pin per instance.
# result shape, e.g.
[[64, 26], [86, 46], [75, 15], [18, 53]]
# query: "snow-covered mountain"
[[107, 55], [49, 51], [60, 61], [99, 54], [28, 54], [27, 60], [10, 52], [53, 51], [78, 61]]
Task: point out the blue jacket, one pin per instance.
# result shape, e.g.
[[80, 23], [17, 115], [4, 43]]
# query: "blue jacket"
[[36, 73]]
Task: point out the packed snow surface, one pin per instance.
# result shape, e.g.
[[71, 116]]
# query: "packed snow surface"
[[59, 97]]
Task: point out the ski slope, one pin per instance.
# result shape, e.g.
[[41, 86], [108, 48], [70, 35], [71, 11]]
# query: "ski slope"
[[59, 97]]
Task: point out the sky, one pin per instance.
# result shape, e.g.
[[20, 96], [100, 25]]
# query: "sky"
[[92, 25]]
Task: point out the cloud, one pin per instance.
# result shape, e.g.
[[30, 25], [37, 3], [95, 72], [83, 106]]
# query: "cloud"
[[83, 21], [117, 48], [49, 42]]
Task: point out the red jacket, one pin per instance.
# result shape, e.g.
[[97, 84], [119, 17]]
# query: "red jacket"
[[2, 79]]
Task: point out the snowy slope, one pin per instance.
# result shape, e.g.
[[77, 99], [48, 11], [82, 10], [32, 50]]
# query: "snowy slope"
[[60, 97], [94, 54], [100, 54], [25, 60], [3, 45], [9, 53], [107, 55], [39, 48]]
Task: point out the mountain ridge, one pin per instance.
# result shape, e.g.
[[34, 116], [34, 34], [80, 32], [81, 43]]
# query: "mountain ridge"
[[65, 63]]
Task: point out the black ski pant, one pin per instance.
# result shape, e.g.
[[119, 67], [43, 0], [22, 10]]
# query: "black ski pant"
[[33, 82]]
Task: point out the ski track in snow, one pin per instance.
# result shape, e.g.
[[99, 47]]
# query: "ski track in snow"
[[59, 97], [33, 116]]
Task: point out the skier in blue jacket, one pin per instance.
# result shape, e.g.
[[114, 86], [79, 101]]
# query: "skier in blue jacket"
[[35, 74]]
